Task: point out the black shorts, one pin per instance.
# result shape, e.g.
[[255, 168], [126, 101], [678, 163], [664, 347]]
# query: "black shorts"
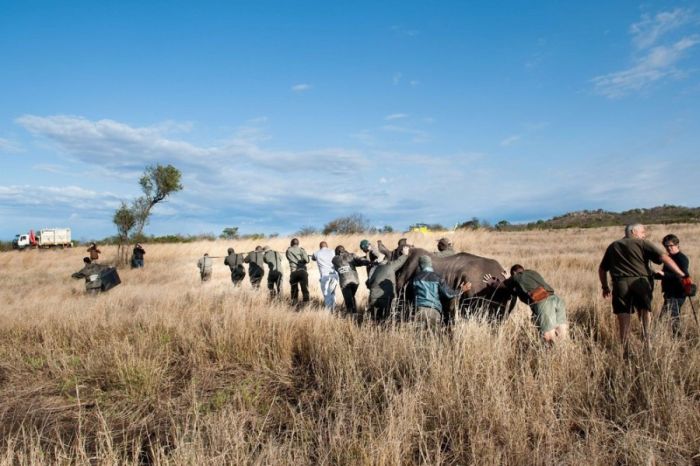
[[631, 294]]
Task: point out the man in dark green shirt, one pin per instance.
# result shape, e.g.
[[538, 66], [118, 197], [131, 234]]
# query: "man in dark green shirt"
[[627, 260], [548, 309]]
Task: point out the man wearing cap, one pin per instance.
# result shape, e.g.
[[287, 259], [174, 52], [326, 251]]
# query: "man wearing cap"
[[445, 248], [429, 288], [627, 261], [329, 277], [298, 276], [235, 264], [382, 286], [205, 264], [273, 259], [256, 266]]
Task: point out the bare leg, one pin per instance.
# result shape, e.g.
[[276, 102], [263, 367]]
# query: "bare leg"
[[645, 318], [623, 321], [562, 331]]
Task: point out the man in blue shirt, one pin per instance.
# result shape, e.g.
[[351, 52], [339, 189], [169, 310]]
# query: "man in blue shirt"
[[429, 287]]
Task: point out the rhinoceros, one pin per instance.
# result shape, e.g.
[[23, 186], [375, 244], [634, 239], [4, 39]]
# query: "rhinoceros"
[[456, 269]]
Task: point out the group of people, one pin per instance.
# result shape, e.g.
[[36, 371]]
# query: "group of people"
[[93, 271], [336, 268], [627, 261]]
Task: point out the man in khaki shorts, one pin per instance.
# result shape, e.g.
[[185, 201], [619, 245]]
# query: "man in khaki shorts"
[[548, 309], [627, 260]]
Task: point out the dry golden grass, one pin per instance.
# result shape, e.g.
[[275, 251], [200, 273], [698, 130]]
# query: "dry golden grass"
[[164, 369]]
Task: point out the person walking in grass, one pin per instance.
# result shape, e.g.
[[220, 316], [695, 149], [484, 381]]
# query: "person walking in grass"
[[94, 252], [671, 286], [256, 266], [273, 259], [345, 264], [329, 277], [627, 260], [91, 273], [235, 264], [298, 276], [205, 264]]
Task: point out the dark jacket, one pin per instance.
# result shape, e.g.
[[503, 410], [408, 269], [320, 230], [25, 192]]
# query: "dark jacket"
[[670, 283], [382, 280], [345, 264], [429, 287], [138, 252]]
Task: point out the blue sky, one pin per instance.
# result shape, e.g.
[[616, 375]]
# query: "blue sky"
[[286, 114]]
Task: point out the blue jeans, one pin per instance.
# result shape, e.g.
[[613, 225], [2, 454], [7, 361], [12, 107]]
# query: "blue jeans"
[[137, 263], [673, 306]]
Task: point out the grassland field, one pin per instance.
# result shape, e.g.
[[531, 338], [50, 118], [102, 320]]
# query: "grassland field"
[[164, 369]]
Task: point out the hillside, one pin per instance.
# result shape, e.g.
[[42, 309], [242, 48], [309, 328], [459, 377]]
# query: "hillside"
[[665, 214]]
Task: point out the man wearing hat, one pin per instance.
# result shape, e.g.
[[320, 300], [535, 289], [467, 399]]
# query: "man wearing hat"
[[444, 248], [429, 287]]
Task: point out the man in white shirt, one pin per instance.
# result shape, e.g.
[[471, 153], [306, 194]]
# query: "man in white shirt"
[[329, 277]]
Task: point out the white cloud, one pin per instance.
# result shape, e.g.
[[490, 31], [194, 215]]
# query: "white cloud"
[[510, 140], [414, 82], [396, 116], [9, 146], [57, 197], [658, 63], [396, 79], [658, 55], [650, 29], [299, 88]]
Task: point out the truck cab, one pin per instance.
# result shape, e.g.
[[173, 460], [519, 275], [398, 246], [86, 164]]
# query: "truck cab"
[[20, 242]]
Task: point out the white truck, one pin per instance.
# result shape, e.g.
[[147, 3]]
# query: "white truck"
[[45, 238]]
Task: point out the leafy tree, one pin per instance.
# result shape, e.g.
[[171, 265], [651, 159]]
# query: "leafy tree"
[[386, 229], [503, 225], [124, 220], [157, 183], [351, 224], [229, 233]]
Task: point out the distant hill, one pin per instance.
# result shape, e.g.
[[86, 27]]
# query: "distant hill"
[[600, 218]]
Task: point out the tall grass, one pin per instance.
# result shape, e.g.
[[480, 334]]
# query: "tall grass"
[[164, 369]]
